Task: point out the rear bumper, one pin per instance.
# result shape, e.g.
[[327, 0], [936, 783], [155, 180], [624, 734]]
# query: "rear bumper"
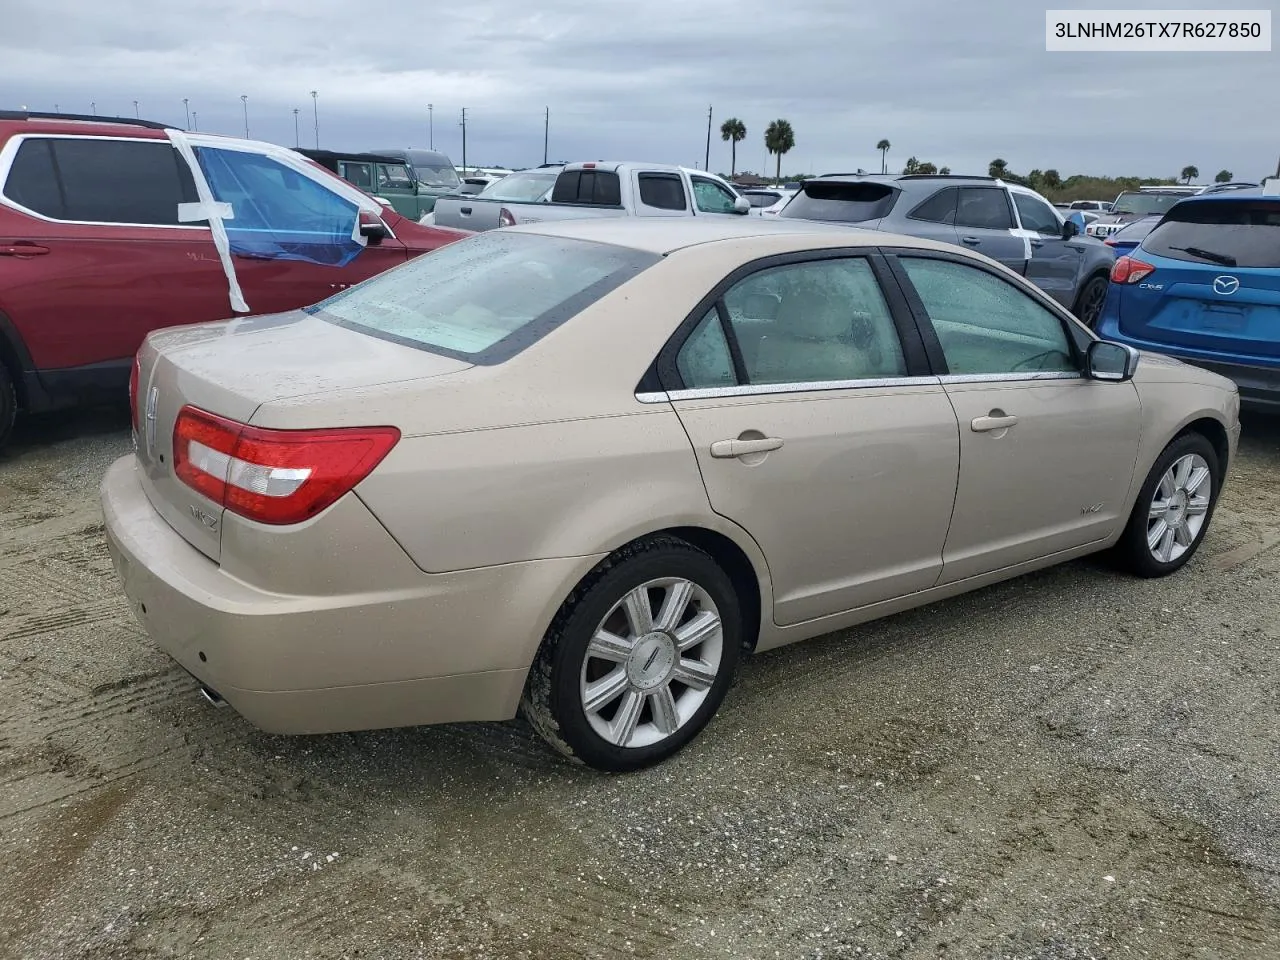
[[455, 647]]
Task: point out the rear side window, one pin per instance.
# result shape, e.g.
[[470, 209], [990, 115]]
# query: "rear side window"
[[985, 207], [587, 186], [101, 181], [1225, 233], [662, 191], [840, 202], [485, 298], [940, 208]]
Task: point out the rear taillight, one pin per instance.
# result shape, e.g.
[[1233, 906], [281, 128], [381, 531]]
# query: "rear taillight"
[[505, 218], [273, 476], [133, 393], [1130, 270]]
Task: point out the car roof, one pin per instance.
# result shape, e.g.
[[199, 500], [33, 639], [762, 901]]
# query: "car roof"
[[910, 178], [664, 235], [1229, 196], [19, 121]]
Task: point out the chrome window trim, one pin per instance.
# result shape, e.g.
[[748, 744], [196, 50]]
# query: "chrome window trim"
[[1011, 377], [770, 389]]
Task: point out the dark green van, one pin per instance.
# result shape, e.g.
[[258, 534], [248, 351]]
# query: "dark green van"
[[387, 177]]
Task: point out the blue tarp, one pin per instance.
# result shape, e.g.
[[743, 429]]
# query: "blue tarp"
[[280, 213]]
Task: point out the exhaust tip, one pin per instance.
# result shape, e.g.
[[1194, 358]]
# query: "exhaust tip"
[[212, 696]]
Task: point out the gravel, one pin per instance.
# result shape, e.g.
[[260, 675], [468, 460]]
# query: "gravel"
[[1070, 765]]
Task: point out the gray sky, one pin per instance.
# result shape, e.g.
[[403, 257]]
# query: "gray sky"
[[954, 83]]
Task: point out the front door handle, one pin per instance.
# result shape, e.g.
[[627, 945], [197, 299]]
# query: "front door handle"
[[993, 422], [728, 449], [465, 211], [971, 241], [1037, 243], [21, 248]]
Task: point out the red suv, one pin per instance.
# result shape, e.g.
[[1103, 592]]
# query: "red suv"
[[112, 228]]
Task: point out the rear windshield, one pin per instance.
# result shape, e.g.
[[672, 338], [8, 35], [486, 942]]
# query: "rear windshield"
[[1226, 233], [1145, 203], [588, 186], [840, 202], [520, 186], [485, 298]]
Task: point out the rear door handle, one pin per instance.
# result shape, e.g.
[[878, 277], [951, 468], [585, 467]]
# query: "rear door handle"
[[971, 241], [21, 248], [728, 449], [984, 424], [465, 211]]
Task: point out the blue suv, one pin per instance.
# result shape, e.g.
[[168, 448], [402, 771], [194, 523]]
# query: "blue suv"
[[1204, 286]]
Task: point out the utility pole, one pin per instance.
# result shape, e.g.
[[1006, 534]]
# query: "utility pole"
[[297, 139], [244, 101], [315, 107], [93, 105], [706, 164], [186, 105], [136, 114], [431, 126], [464, 141], [546, 132]]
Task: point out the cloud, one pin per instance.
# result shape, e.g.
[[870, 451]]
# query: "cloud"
[[957, 84]]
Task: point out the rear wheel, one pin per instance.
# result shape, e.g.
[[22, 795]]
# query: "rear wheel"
[[1089, 303], [1173, 510], [639, 657], [8, 405]]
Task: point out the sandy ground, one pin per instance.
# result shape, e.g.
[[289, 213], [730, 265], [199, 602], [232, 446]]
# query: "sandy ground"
[[1071, 765]]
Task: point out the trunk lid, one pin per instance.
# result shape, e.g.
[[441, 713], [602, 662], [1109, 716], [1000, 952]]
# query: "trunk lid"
[[231, 369]]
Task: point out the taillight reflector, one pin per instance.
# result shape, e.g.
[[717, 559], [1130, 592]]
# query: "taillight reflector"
[[1130, 270], [273, 476]]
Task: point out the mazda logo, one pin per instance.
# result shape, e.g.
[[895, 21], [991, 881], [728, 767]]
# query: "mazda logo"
[[1226, 285]]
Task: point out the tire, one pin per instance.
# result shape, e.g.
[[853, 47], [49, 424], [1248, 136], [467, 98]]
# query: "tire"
[[644, 711], [1175, 482], [8, 405], [1089, 304]]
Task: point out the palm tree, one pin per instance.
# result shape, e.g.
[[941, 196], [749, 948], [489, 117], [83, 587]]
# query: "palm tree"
[[1051, 179], [883, 146], [1188, 174], [911, 166], [733, 130], [997, 168], [1224, 176], [779, 138]]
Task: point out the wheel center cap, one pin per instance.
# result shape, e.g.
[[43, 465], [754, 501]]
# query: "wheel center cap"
[[651, 661], [1177, 507]]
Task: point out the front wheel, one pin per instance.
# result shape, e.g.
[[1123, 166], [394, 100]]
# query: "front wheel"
[[1089, 303], [639, 657], [1172, 513]]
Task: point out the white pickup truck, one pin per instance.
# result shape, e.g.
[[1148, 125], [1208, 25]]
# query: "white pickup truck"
[[597, 189]]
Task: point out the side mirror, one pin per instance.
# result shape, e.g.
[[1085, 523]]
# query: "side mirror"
[[1072, 227], [372, 228], [741, 205], [1113, 362]]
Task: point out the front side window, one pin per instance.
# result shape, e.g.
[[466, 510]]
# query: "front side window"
[[983, 207], [101, 181], [986, 325], [486, 297], [395, 176], [662, 191], [1036, 215], [811, 322], [279, 212], [711, 197]]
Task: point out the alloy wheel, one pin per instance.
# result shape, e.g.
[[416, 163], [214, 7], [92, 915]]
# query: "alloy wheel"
[[1178, 508]]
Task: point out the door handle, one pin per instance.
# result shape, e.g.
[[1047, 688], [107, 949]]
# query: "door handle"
[[1037, 243], [465, 211], [21, 248], [728, 449], [971, 241], [996, 421]]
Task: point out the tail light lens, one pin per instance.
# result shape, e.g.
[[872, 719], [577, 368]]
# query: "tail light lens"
[[273, 476], [505, 218], [1130, 270], [134, 374]]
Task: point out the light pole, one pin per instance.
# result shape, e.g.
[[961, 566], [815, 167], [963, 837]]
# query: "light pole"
[[464, 141], [706, 164], [297, 139], [186, 105], [431, 126], [244, 102], [315, 107], [93, 105], [136, 114], [195, 121], [546, 132]]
